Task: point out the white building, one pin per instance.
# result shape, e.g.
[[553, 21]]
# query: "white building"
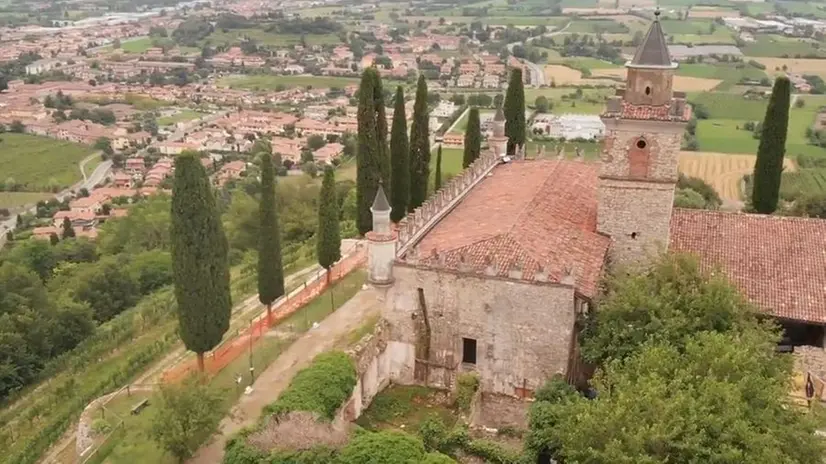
[[569, 126]]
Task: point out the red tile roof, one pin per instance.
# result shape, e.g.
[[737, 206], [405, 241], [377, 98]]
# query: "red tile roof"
[[778, 263], [658, 113], [539, 213]]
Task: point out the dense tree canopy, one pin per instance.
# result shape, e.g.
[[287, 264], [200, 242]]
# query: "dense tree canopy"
[[399, 160], [199, 259], [514, 109], [770, 153], [270, 267], [328, 237], [419, 148], [373, 163], [473, 138], [687, 373]]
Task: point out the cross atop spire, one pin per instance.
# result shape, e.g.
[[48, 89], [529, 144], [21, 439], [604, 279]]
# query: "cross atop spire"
[[653, 51]]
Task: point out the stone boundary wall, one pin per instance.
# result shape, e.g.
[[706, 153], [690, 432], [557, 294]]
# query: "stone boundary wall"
[[372, 367]]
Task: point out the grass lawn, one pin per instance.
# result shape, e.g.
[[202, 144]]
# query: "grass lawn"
[[262, 37], [720, 36], [461, 125], [451, 164], [271, 82], [40, 163], [138, 446], [181, 116], [15, 199], [780, 46], [405, 407], [136, 46], [692, 26], [578, 107], [597, 25], [583, 62]]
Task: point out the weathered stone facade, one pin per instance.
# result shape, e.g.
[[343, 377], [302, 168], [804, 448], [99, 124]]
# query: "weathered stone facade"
[[522, 330], [649, 86]]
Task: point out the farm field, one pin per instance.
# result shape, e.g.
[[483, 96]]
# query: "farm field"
[[774, 66], [723, 171], [557, 93], [782, 47], [597, 25], [803, 182], [271, 82], [712, 12], [728, 73], [40, 163], [265, 38], [136, 46], [14, 199]]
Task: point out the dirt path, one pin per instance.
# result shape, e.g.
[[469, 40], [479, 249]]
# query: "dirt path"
[[278, 375]]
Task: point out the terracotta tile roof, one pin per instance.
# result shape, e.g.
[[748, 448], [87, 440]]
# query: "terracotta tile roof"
[[533, 213], [778, 263]]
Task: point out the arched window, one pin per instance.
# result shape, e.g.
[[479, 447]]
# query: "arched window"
[[639, 158]]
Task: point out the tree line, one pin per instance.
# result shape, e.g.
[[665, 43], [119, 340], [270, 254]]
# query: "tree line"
[[403, 168]]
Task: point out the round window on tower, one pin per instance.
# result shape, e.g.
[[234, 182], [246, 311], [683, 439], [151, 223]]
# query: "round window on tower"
[[648, 90], [641, 144]]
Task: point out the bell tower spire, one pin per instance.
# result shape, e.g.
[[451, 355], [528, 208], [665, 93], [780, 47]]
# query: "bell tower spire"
[[644, 127]]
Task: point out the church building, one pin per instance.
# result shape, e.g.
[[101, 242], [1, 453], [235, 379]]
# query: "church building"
[[491, 274]]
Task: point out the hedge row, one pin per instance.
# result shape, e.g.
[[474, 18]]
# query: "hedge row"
[[321, 388]]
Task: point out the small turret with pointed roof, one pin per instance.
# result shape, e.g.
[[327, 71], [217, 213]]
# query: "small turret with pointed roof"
[[381, 212], [651, 71]]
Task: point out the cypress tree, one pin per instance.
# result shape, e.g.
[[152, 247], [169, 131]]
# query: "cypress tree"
[[769, 166], [399, 151], [270, 267], [438, 182], [419, 148], [372, 161], [200, 268], [68, 230], [514, 109], [328, 238], [473, 138]]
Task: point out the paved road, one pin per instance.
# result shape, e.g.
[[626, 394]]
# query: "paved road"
[[537, 72]]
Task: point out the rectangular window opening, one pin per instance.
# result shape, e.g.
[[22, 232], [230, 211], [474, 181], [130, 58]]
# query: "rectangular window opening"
[[468, 351]]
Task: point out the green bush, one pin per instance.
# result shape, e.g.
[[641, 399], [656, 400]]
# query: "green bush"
[[492, 452], [712, 199], [688, 198], [383, 448], [555, 390], [437, 458], [322, 387], [237, 451], [468, 383], [100, 427], [316, 455]]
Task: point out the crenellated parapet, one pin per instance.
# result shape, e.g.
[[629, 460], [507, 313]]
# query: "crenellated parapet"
[[413, 227], [488, 265]]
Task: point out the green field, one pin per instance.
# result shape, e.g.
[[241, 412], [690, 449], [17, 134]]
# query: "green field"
[[271, 82], [597, 26], [15, 199], [806, 181], [692, 26], [137, 45], [236, 36], [451, 164], [461, 125], [723, 131], [181, 116], [784, 47], [40, 163]]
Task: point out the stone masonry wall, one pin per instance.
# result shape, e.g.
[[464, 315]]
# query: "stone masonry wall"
[[523, 330], [658, 81], [664, 151], [637, 216]]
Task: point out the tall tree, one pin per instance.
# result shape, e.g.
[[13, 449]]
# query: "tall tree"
[[270, 267], [399, 153], [438, 182], [419, 148], [372, 159], [328, 238], [199, 259], [68, 231], [769, 166], [514, 108], [473, 138]]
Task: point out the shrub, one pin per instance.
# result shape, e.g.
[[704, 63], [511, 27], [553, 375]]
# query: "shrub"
[[322, 387], [383, 447], [437, 458], [492, 452], [468, 383], [688, 198], [100, 427], [712, 199]]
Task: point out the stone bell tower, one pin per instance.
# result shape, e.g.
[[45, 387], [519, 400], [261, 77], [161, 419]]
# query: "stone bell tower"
[[498, 142], [644, 128]]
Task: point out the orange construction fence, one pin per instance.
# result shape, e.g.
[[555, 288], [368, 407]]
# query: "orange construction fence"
[[231, 349]]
